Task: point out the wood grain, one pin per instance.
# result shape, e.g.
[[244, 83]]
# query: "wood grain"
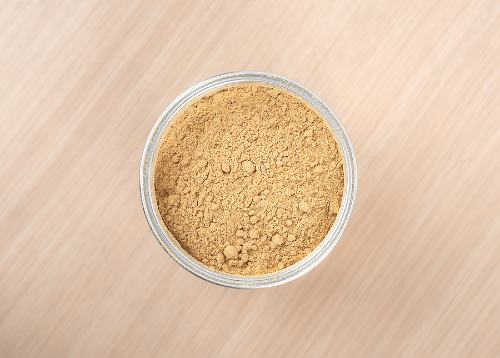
[[417, 85]]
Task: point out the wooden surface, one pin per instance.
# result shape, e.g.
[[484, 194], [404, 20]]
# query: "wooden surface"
[[417, 85]]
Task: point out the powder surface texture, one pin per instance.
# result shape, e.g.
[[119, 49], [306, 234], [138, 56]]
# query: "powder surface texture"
[[248, 179]]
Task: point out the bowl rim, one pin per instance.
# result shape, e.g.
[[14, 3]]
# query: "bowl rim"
[[173, 248]]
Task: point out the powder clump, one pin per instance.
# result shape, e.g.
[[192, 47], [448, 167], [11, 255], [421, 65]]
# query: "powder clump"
[[248, 179]]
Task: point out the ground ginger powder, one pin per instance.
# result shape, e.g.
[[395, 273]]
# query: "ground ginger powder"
[[248, 179]]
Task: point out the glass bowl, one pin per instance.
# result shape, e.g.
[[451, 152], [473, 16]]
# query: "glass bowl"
[[170, 244]]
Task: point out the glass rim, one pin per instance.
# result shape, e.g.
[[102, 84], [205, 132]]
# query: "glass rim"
[[170, 244]]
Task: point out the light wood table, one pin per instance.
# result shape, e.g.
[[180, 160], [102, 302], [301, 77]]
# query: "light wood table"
[[417, 85]]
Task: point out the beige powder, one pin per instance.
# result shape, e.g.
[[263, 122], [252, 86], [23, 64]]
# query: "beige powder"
[[248, 179]]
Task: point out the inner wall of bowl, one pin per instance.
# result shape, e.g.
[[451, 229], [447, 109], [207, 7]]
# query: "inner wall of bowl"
[[193, 265]]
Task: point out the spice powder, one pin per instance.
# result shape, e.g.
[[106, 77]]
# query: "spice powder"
[[248, 179]]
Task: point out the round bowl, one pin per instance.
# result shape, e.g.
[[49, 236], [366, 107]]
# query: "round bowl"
[[170, 244]]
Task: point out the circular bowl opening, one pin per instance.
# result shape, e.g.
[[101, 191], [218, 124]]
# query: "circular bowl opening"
[[170, 244]]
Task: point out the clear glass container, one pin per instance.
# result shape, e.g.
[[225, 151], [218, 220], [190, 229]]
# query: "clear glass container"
[[171, 245]]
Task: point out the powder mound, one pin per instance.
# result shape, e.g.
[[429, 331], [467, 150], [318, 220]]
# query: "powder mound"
[[248, 179]]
